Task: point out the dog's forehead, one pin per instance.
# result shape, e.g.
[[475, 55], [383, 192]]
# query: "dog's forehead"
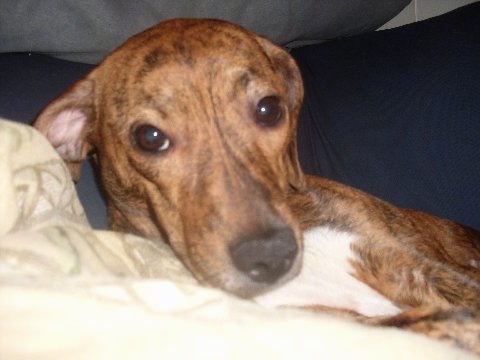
[[192, 43], [180, 65]]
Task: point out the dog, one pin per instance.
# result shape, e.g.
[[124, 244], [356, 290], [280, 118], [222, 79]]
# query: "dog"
[[192, 125]]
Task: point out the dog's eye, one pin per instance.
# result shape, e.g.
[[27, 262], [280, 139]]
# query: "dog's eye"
[[151, 139], [269, 111]]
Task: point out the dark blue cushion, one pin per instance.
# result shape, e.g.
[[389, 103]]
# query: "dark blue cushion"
[[397, 113]]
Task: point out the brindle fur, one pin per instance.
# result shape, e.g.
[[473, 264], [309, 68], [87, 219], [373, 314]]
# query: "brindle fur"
[[226, 178]]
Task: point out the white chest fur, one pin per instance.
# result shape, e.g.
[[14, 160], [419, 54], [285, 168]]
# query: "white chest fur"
[[326, 278]]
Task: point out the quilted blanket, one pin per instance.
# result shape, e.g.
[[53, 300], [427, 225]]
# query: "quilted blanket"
[[68, 291]]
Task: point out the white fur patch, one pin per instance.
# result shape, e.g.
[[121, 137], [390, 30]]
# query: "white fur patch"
[[326, 278]]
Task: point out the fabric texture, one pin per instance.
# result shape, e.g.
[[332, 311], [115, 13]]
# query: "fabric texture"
[[69, 292], [87, 30]]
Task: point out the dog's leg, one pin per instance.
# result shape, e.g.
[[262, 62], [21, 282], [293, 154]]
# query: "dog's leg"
[[411, 258]]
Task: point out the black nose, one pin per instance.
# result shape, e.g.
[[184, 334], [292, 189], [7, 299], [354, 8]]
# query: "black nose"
[[267, 257]]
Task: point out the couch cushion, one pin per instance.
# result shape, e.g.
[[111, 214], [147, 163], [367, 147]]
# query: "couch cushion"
[[397, 113], [87, 30]]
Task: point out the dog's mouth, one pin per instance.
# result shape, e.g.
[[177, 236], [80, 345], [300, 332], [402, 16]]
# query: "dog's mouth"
[[247, 242]]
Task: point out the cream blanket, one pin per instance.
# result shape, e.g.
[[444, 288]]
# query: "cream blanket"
[[70, 292]]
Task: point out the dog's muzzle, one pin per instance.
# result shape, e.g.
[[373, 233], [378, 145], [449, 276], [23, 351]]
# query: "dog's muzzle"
[[266, 257]]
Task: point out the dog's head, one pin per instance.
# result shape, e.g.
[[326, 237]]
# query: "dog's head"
[[192, 125]]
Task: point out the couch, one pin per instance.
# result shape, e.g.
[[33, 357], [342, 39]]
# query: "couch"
[[394, 112]]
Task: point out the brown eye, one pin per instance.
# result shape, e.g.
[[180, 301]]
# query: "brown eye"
[[269, 111], [149, 138]]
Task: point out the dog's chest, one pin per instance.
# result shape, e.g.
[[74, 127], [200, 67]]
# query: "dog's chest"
[[326, 278]]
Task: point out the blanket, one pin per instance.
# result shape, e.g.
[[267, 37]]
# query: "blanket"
[[68, 291]]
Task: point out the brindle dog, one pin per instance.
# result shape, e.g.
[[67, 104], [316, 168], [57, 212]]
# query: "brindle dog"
[[193, 127]]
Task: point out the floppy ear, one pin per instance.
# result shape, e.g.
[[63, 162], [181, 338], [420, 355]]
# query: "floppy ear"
[[284, 65], [67, 121]]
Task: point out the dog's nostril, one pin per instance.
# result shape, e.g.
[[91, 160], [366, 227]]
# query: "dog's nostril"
[[266, 258]]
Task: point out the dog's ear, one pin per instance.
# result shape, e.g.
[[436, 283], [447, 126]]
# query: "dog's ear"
[[67, 121], [287, 68]]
